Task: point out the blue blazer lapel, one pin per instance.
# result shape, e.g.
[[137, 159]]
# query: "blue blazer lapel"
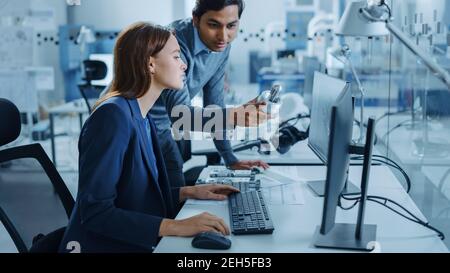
[[145, 145], [164, 182]]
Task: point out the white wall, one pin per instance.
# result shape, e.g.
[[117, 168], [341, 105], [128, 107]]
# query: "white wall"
[[117, 14], [48, 53], [27, 13]]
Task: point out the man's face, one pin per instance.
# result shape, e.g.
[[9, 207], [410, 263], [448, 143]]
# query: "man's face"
[[217, 29]]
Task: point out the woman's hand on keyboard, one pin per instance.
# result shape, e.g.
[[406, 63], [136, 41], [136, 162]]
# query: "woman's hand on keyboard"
[[212, 192]]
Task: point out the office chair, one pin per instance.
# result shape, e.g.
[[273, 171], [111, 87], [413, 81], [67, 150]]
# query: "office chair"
[[93, 70], [34, 199]]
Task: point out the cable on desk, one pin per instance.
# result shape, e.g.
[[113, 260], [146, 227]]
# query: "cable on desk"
[[388, 114], [347, 208], [391, 163], [296, 118], [385, 203], [401, 124]]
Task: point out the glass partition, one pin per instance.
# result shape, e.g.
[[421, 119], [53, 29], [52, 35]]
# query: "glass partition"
[[413, 125]]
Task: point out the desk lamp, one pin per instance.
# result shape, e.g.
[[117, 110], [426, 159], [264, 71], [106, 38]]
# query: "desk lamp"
[[374, 18], [343, 54], [352, 24]]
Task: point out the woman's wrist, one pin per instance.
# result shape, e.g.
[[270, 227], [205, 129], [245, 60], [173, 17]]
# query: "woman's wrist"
[[186, 193], [167, 227]]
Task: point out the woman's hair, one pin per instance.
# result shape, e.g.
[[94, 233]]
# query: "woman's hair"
[[134, 47]]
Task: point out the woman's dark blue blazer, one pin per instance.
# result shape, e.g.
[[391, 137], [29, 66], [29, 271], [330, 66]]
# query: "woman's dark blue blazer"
[[120, 205]]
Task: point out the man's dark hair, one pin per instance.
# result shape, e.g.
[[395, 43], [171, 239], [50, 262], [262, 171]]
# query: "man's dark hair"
[[203, 6]]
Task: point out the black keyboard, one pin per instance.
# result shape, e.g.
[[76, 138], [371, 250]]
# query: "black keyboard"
[[242, 186], [249, 213]]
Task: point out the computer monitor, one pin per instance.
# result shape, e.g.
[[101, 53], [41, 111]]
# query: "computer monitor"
[[310, 66], [326, 91], [331, 234]]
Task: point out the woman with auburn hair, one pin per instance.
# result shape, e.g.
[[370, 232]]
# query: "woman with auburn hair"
[[124, 201]]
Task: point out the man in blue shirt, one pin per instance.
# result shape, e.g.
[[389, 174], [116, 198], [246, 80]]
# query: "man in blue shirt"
[[205, 47]]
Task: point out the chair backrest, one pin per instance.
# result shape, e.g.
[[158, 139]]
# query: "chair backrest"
[[10, 125], [94, 70], [33, 197]]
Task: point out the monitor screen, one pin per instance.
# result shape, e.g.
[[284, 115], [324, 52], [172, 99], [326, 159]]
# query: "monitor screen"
[[310, 65], [326, 90]]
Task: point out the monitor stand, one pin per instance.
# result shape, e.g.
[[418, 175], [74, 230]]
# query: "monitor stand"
[[350, 236], [318, 187], [342, 236]]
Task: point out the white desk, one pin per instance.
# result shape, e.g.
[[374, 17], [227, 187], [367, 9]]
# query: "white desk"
[[78, 107], [299, 154], [295, 224]]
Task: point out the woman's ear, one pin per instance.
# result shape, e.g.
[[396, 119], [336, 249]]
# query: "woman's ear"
[[152, 65]]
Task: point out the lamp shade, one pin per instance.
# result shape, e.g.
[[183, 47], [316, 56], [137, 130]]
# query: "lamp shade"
[[353, 23]]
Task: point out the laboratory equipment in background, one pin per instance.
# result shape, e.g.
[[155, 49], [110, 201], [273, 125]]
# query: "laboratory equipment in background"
[[374, 18], [298, 16], [17, 74], [72, 53], [321, 35], [307, 32], [365, 17], [286, 62], [310, 26]]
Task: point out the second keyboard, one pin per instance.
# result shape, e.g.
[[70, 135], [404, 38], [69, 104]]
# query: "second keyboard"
[[249, 213]]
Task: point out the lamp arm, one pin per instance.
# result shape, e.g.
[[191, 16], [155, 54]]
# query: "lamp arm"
[[438, 70], [362, 91], [355, 75]]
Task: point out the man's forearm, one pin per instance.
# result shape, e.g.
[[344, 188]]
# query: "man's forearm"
[[226, 151]]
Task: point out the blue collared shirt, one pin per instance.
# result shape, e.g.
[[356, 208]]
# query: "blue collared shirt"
[[205, 72], [199, 46]]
